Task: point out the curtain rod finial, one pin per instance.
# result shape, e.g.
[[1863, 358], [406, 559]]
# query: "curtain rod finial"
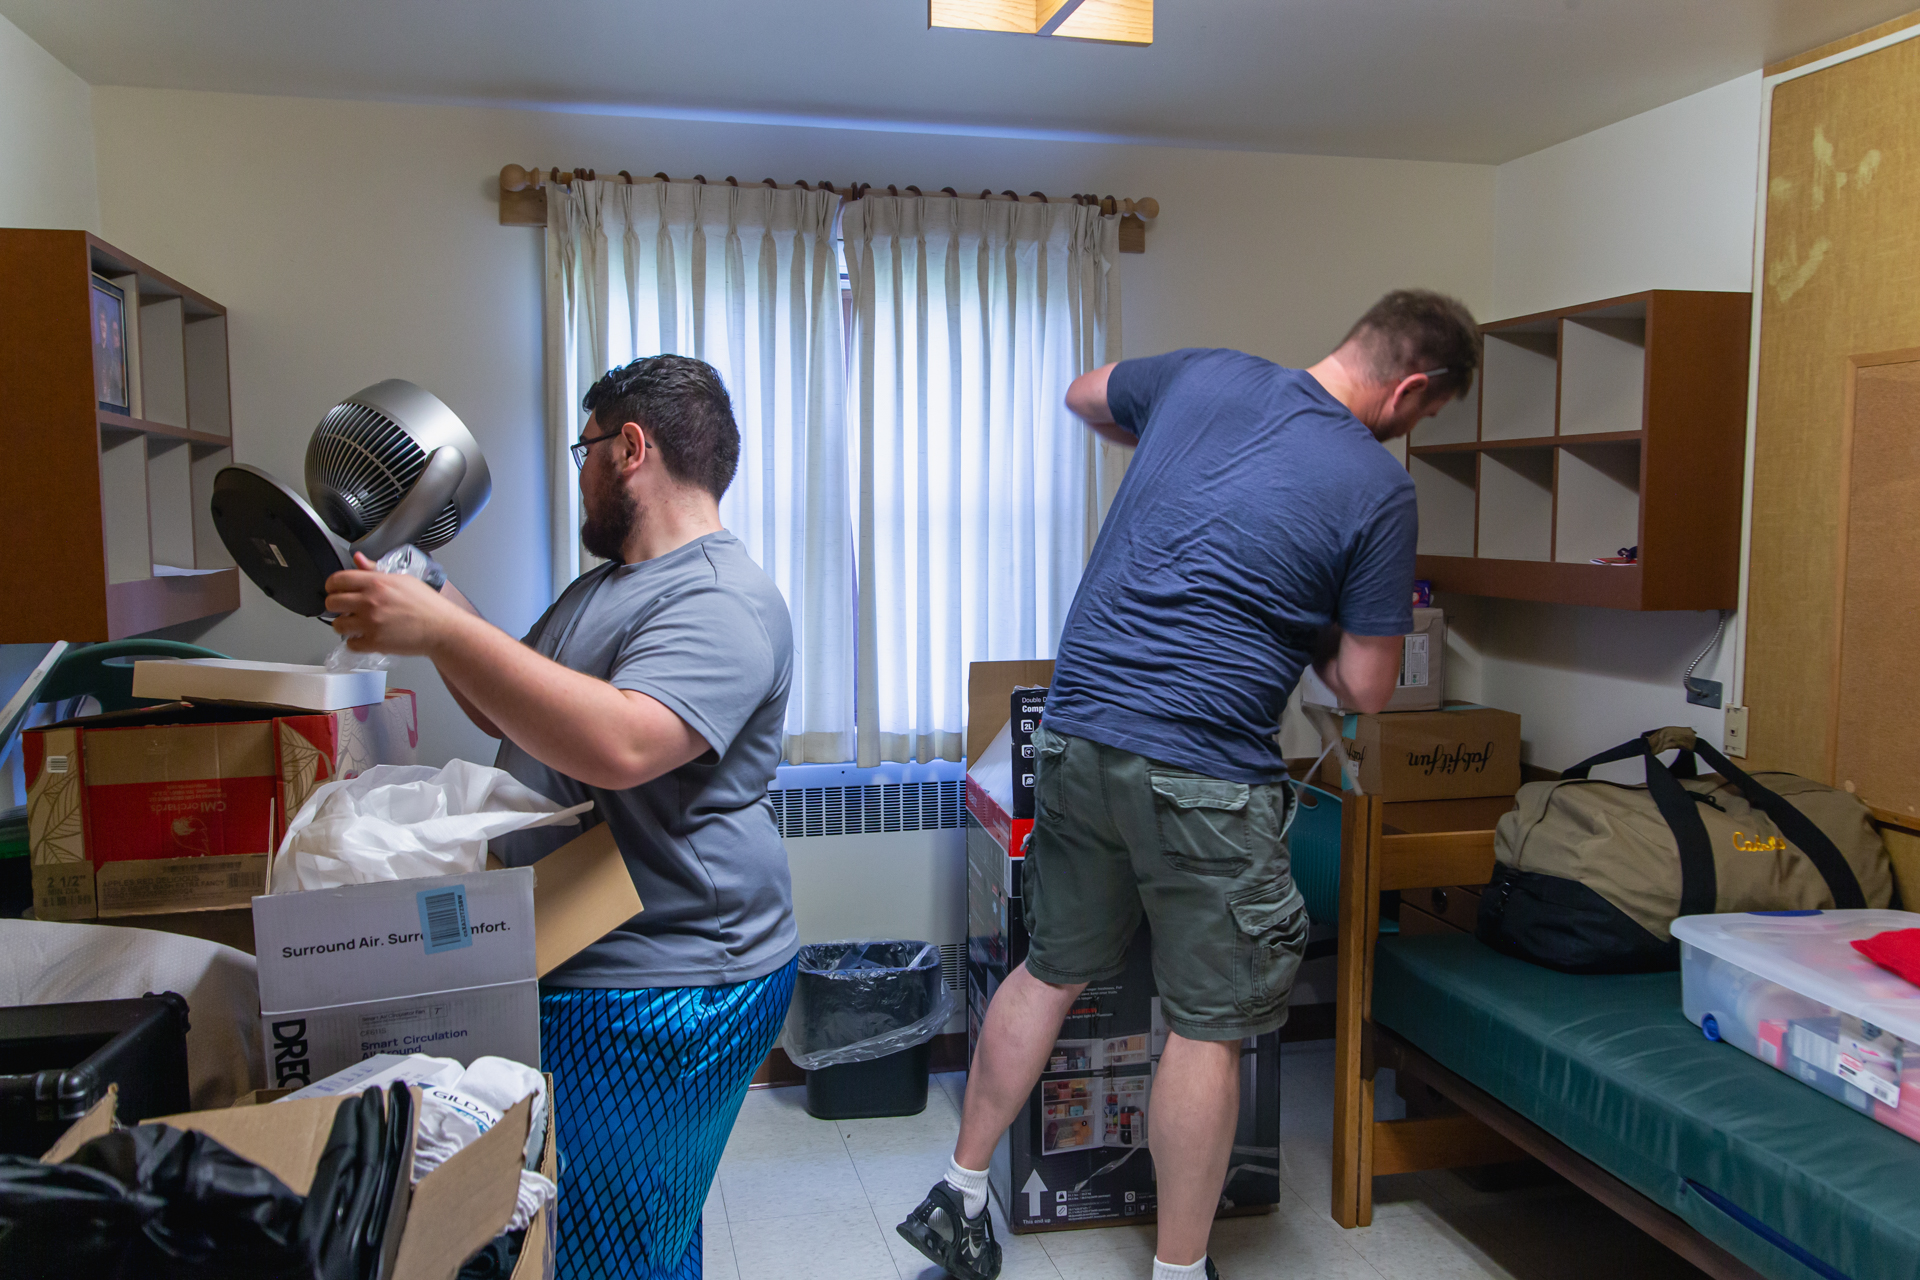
[[515, 178]]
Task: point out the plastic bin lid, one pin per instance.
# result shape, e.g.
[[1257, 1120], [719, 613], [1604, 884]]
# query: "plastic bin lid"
[[1810, 952]]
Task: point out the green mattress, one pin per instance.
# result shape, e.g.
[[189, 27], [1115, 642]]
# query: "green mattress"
[[1611, 1067]]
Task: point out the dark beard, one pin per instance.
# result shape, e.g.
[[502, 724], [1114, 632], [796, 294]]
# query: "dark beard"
[[611, 518]]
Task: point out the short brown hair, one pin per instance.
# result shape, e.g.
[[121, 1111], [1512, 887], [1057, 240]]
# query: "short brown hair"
[[1416, 331], [684, 404]]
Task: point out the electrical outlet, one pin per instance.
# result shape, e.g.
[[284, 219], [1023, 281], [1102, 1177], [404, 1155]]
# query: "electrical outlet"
[[1736, 734], [1703, 693]]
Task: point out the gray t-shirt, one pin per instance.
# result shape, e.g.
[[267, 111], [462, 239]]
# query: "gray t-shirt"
[[703, 630]]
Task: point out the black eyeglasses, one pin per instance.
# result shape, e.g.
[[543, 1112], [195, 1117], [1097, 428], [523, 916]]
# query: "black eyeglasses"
[[579, 448]]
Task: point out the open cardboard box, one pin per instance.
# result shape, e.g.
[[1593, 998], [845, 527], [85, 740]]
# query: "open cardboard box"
[[357, 970], [434, 1227]]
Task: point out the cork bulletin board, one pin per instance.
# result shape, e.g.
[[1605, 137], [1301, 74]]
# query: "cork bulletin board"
[[1875, 739], [1839, 281]]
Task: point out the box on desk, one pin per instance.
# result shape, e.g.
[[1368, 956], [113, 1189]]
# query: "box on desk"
[[444, 965], [1421, 684], [1460, 751], [1074, 1155], [176, 808]]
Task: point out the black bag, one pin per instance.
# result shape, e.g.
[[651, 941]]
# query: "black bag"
[[159, 1203], [1592, 874]]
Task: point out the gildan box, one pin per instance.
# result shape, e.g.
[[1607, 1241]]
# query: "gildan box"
[[444, 965], [176, 808], [1422, 682], [1459, 751]]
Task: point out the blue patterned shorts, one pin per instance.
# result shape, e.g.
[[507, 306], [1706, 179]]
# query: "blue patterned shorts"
[[646, 1085]]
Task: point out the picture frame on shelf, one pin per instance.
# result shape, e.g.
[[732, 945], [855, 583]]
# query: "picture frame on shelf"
[[109, 323]]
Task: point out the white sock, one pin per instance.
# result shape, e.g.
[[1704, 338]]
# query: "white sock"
[[1167, 1271], [972, 1186]]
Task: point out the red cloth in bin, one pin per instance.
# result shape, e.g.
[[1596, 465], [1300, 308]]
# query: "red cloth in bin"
[[1897, 951]]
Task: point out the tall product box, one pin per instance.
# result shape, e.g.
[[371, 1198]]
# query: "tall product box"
[[1076, 1156], [1422, 681], [177, 808], [1460, 751], [443, 965]]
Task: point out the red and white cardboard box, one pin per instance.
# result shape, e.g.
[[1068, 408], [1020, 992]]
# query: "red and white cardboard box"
[[178, 807]]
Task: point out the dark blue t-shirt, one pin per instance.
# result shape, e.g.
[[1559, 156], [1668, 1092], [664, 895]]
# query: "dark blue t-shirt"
[[1256, 510]]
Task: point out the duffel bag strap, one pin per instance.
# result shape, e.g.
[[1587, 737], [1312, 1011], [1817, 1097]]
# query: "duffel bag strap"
[[1797, 827], [1699, 882]]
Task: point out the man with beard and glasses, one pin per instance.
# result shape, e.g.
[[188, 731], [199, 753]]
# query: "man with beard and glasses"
[[656, 686]]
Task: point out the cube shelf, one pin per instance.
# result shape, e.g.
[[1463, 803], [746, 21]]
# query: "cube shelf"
[[1616, 424], [110, 505]]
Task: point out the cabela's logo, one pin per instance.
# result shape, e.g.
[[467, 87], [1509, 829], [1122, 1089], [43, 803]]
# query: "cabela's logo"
[[1772, 844]]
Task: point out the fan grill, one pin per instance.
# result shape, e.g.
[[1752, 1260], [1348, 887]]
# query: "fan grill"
[[367, 462]]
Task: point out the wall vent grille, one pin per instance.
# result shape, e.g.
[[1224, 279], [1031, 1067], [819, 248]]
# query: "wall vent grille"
[[867, 810]]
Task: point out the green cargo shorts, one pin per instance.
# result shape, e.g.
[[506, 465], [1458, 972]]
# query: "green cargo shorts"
[[1116, 834]]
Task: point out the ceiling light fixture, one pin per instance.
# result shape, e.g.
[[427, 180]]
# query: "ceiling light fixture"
[[1111, 21]]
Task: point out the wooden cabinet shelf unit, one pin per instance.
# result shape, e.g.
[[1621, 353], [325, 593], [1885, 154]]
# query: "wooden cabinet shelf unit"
[[112, 534], [1615, 424]]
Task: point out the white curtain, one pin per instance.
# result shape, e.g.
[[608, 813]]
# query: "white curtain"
[[978, 494], [747, 279]]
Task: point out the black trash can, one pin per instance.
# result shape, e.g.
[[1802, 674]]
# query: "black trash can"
[[867, 1013]]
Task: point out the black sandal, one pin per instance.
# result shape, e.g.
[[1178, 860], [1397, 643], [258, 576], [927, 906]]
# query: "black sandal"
[[966, 1249]]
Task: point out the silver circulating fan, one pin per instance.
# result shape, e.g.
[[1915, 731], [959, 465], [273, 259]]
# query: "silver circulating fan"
[[387, 466]]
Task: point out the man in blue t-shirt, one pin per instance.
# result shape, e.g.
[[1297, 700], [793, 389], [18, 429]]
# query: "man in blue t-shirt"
[[1260, 527]]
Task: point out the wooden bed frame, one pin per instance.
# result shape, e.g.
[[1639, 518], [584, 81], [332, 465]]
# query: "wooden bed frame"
[[1436, 853]]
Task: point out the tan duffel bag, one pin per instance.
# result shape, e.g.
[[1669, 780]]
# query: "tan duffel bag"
[[1591, 874]]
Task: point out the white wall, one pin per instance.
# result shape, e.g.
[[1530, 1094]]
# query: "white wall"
[[46, 139], [1664, 200], [358, 241]]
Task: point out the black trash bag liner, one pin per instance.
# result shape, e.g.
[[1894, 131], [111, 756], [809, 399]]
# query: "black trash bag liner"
[[66, 1220], [858, 1001], [222, 1214]]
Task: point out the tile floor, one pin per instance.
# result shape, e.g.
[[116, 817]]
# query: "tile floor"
[[805, 1199]]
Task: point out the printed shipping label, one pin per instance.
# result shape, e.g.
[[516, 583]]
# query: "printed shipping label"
[[1413, 662], [443, 919]]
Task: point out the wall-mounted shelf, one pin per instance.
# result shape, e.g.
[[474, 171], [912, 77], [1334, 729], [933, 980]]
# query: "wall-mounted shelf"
[[109, 509], [1620, 423]]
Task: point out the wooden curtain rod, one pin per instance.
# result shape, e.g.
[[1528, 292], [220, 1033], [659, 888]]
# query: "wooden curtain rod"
[[523, 197]]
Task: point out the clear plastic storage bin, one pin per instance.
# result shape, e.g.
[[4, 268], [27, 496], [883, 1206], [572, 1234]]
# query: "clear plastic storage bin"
[[1788, 988]]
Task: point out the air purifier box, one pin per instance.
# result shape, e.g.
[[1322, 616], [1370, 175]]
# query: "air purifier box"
[[443, 965], [1076, 1154]]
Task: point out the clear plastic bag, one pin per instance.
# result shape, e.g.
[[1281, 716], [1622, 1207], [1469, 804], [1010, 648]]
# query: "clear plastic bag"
[[413, 562], [858, 1001], [399, 822]]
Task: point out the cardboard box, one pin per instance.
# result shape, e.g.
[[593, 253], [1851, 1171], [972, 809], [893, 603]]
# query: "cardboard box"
[[310, 750], [1459, 751], [1422, 682], [271, 684], [1072, 1156], [451, 1214], [177, 808], [446, 965]]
